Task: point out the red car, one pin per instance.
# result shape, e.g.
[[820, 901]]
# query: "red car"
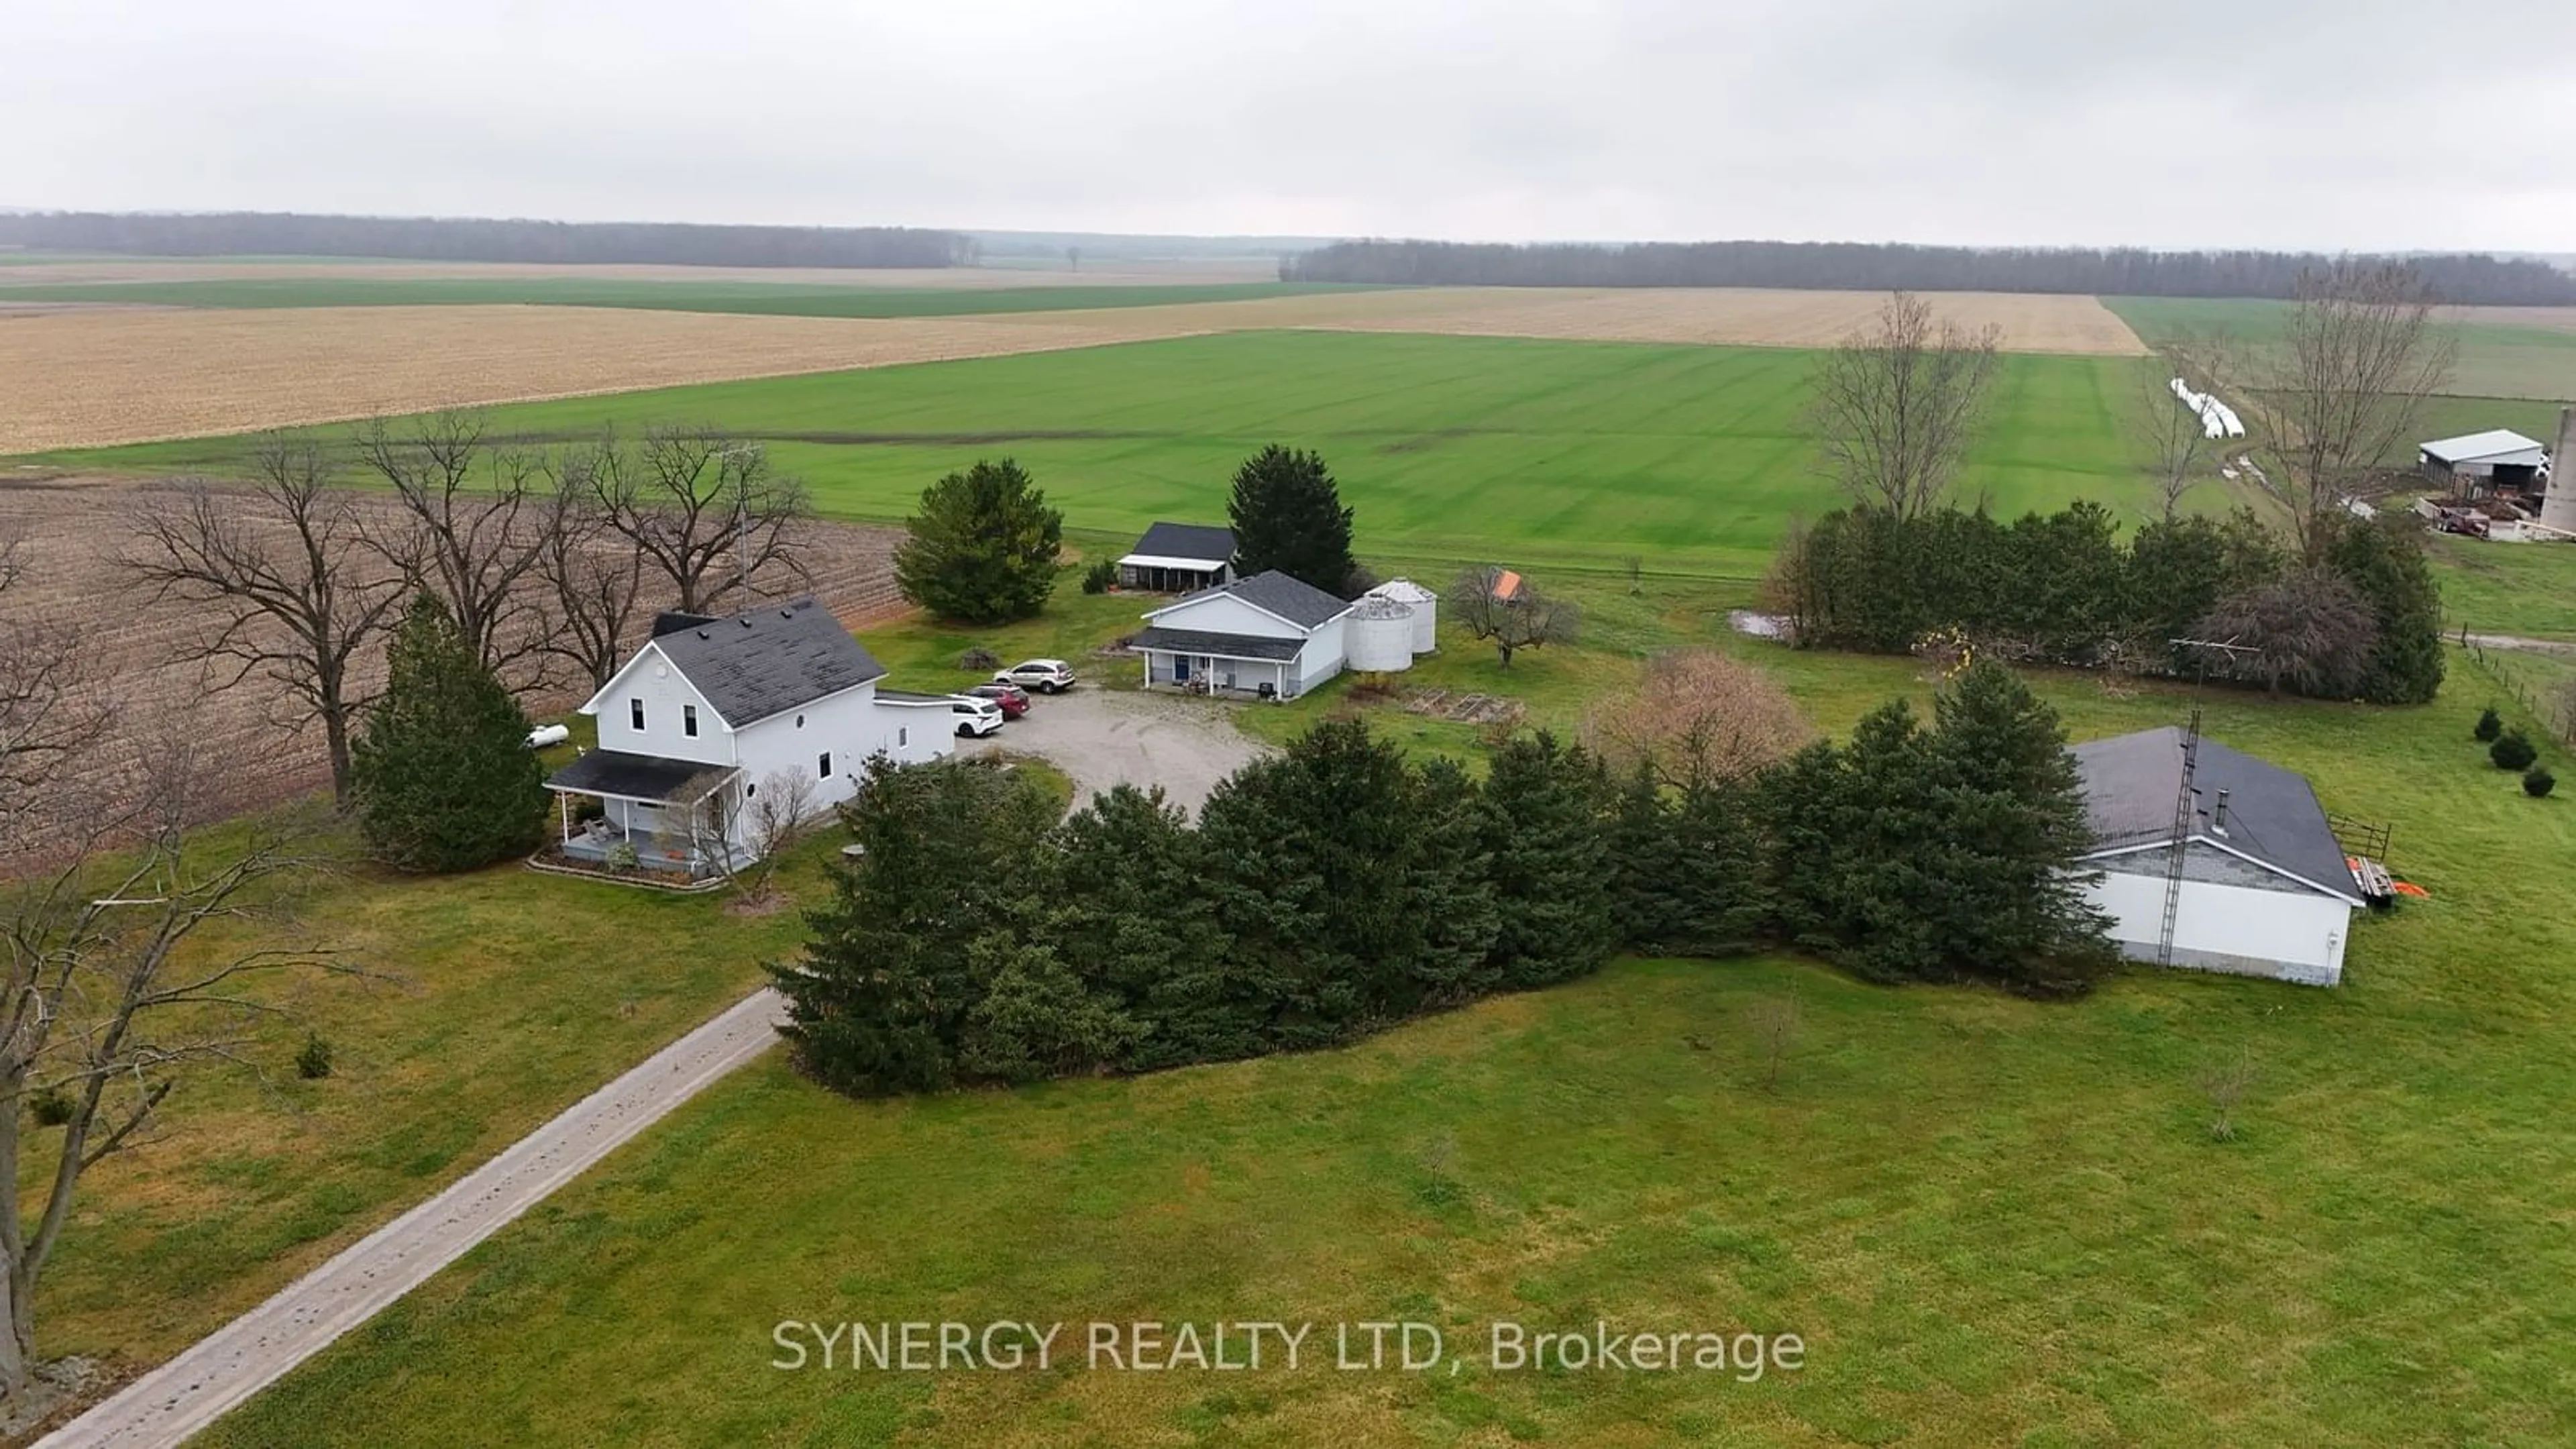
[[1013, 699]]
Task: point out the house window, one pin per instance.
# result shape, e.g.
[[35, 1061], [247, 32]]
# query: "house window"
[[689, 720], [823, 764], [800, 721], [635, 713], [902, 736]]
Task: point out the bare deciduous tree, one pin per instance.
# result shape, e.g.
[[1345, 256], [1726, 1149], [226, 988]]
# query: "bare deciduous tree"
[[1896, 405], [473, 520], [2226, 1084], [1774, 1022], [1697, 717], [593, 579], [45, 717], [2308, 628], [781, 809], [2174, 446], [706, 512], [284, 568], [108, 1007], [1527, 619], [2359, 352]]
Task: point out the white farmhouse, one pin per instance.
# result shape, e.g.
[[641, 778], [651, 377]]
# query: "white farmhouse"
[[711, 711], [2265, 888], [1269, 636]]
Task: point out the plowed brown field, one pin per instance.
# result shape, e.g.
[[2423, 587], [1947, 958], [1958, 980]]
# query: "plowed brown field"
[[92, 378]]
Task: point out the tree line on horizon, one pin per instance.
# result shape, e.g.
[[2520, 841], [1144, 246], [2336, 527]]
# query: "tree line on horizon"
[[2462, 279], [466, 239]]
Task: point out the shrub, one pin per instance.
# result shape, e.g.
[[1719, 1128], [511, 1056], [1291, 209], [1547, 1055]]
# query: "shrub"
[[2513, 750], [2490, 725], [51, 1106], [1098, 578], [979, 658], [313, 1063], [2537, 782], [623, 857]]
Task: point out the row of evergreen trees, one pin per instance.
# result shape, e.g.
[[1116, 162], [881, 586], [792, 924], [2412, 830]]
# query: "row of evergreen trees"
[[1336, 888], [1897, 266], [2064, 588]]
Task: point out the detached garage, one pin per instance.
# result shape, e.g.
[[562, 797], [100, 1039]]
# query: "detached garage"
[[2264, 888]]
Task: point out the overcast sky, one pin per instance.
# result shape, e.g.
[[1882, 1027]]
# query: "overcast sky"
[[2281, 123]]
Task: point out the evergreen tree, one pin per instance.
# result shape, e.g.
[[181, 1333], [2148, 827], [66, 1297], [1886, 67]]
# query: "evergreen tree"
[[1288, 515], [1451, 888], [441, 773], [1310, 857], [982, 547], [2011, 900], [1687, 868], [1551, 861], [886, 992], [1036, 1018], [1853, 830], [1136, 922], [2383, 559]]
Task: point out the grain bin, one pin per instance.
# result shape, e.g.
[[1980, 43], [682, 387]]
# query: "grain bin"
[[1425, 606], [2558, 505], [1379, 637]]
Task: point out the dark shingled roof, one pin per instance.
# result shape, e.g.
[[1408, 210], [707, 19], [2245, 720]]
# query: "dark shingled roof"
[[672, 621], [636, 777], [2130, 782], [1294, 600], [1227, 646], [1187, 540], [768, 660]]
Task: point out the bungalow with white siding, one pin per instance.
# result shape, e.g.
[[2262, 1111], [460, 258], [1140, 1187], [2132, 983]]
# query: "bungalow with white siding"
[[712, 710], [1267, 637], [2264, 887]]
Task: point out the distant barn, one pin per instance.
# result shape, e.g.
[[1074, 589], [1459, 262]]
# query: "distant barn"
[[2495, 463]]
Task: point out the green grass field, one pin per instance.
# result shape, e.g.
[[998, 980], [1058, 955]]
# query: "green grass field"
[[2498, 361], [1990, 1220], [1446, 446], [792, 299]]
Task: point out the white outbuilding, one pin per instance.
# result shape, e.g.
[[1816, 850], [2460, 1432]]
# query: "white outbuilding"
[[2264, 888]]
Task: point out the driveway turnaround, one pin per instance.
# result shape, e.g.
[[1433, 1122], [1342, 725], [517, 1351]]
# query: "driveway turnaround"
[[191, 1391], [1105, 737]]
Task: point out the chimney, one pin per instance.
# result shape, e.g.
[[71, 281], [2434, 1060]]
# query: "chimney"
[[2218, 819], [2558, 505]]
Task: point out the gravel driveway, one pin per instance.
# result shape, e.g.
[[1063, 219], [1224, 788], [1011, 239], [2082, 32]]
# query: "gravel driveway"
[[1104, 737]]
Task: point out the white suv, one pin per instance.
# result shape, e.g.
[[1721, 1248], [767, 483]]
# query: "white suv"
[[1046, 676], [977, 717]]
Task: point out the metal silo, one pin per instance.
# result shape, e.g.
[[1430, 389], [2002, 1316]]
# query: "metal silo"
[[1378, 636], [1425, 606]]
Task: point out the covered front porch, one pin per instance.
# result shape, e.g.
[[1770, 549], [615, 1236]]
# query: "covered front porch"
[[1148, 574], [655, 815]]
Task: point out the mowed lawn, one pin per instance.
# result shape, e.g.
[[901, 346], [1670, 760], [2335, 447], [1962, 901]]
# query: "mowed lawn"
[[1465, 448], [1989, 1219], [490, 1002], [790, 299]]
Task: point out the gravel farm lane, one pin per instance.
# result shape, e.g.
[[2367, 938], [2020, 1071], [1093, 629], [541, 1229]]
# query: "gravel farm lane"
[[246, 1355]]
